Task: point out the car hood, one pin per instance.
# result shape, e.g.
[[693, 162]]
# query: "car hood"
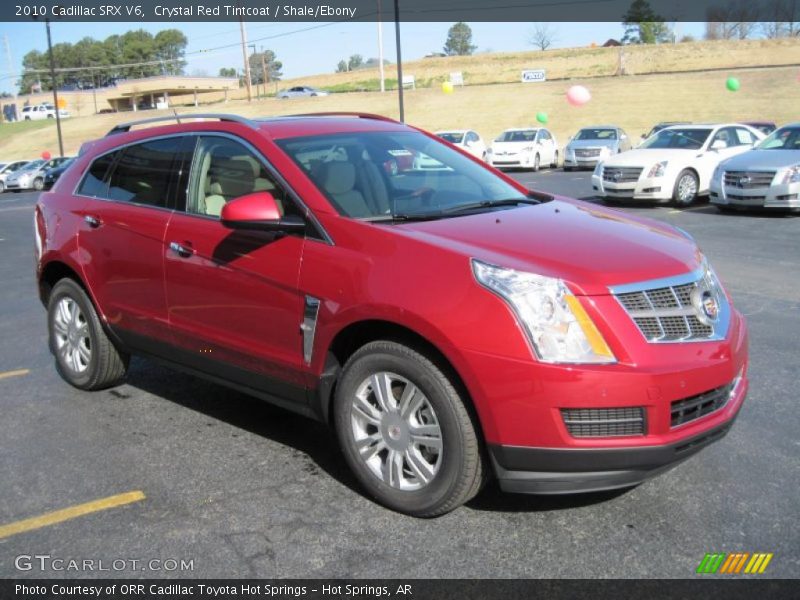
[[644, 157], [573, 144], [588, 246], [763, 159]]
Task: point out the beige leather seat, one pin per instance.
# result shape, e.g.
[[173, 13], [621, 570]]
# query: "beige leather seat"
[[339, 180], [226, 180]]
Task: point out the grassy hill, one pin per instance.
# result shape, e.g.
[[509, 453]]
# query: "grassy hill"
[[634, 102]]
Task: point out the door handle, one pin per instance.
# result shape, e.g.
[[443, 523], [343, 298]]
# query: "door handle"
[[93, 222], [181, 250]]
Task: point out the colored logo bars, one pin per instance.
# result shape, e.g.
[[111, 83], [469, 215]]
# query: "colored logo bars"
[[734, 563]]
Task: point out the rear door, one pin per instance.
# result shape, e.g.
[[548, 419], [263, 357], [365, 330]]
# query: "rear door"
[[130, 198], [234, 307]]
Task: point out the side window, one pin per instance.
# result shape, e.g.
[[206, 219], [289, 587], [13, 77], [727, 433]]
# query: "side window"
[[224, 169], [94, 183], [744, 137], [143, 172], [544, 135], [725, 135]]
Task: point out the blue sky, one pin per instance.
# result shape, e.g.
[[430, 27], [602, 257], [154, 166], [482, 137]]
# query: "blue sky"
[[308, 52]]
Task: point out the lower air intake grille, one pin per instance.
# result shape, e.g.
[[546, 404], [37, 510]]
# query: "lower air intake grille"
[[604, 422], [689, 409]]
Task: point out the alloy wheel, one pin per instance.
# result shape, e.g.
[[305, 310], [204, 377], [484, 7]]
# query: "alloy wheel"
[[687, 189], [72, 338], [396, 431]]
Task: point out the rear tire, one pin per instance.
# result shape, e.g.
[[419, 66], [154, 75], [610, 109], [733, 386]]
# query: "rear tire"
[[2, 187], [85, 356], [405, 431], [554, 164], [536, 165]]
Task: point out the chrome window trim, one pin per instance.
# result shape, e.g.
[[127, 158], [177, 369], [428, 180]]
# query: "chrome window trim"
[[326, 238], [719, 328]]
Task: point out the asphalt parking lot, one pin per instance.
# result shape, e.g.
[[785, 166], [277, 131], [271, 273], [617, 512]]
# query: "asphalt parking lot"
[[246, 490]]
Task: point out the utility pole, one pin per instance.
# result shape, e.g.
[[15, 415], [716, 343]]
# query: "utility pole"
[[55, 88], [380, 47], [264, 73], [253, 46], [246, 61], [399, 61], [13, 73]]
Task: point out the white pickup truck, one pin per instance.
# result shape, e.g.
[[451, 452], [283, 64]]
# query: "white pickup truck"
[[42, 111]]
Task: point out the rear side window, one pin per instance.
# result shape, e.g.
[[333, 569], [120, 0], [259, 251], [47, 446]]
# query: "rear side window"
[[143, 172], [94, 183]]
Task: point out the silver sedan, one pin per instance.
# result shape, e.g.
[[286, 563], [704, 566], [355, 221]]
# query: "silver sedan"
[[593, 144]]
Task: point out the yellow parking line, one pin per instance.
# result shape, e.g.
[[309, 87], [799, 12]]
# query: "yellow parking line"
[[65, 514], [16, 373]]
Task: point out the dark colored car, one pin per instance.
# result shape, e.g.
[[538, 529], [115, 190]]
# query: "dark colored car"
[[765, 127], [50, 176], [450, 324]]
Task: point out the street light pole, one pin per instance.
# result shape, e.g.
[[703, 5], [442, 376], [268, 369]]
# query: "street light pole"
[[399, 61], [55, 88], [380, 48]]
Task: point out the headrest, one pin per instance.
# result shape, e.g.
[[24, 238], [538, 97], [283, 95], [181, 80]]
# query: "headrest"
[[338, 177]]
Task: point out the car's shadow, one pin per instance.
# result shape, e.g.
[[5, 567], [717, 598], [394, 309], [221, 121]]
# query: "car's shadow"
[[314, 443]]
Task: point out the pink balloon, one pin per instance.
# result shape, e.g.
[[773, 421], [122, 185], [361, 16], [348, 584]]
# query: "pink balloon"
[[46, 155], [578, 95]]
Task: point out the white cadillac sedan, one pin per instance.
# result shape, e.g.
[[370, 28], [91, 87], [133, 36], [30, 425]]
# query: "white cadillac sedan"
[[675, 164]]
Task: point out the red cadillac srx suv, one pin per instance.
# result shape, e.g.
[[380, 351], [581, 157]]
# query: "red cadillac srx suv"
[[448, 323]]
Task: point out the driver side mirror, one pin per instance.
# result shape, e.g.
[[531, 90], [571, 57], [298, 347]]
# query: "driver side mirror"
[[258, 212], [719, 145]]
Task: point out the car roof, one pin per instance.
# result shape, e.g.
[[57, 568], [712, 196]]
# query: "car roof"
[[600, 127], [452, 131]]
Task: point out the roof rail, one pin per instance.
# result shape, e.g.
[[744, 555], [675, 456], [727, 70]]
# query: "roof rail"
[[125, 127], [358, 115]]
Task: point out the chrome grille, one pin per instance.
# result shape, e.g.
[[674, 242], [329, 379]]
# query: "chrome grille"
[[747, 180], [666, 314], [695, 407], [587, 152], [622, 174], [604, 422]]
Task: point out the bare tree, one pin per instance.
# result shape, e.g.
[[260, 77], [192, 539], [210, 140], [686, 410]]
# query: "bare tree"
[[781, 18], [734, 20], [542, 36]]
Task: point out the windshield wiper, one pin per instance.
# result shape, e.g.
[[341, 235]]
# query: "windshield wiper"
[[490, 204], [404, 217]]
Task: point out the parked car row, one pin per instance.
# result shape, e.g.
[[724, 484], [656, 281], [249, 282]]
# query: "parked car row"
[[38, 174]]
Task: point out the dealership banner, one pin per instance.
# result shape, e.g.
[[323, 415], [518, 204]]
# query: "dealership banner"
[[410, 589], [373, 10]]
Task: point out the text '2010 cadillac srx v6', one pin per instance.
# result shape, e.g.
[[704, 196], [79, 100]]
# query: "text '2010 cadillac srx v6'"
[[449, 324]]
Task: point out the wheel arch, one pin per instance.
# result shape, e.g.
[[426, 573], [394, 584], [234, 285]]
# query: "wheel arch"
[[359, 333], [53, 272]]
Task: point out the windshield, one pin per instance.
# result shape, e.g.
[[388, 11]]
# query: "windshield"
[[596, 134], [678, 139], [453, 138], [786, 138], [527, 135], [34, 164], [382, 175]]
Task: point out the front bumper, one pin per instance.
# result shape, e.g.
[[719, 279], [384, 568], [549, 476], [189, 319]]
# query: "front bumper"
[[646, 188], [19, 185], [568, 471], [781, 196], [510, 161], [582, 162]]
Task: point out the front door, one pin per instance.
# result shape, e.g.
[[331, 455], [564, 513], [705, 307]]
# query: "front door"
[[234, 307]]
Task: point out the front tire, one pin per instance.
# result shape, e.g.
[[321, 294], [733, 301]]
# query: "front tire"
[[405, 431], [536, 161], [2, 187], [686, 185], [38, 184], [554, 164], [85, 356]]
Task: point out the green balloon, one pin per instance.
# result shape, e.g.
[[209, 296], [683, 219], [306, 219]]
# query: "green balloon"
[[732, 84], [541, 117]]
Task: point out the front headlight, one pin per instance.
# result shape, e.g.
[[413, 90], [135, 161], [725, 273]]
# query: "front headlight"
[[792, 175], [598, 169], [657, 170], [605, 150], [555, 322], [528, 149], [717, 173]]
